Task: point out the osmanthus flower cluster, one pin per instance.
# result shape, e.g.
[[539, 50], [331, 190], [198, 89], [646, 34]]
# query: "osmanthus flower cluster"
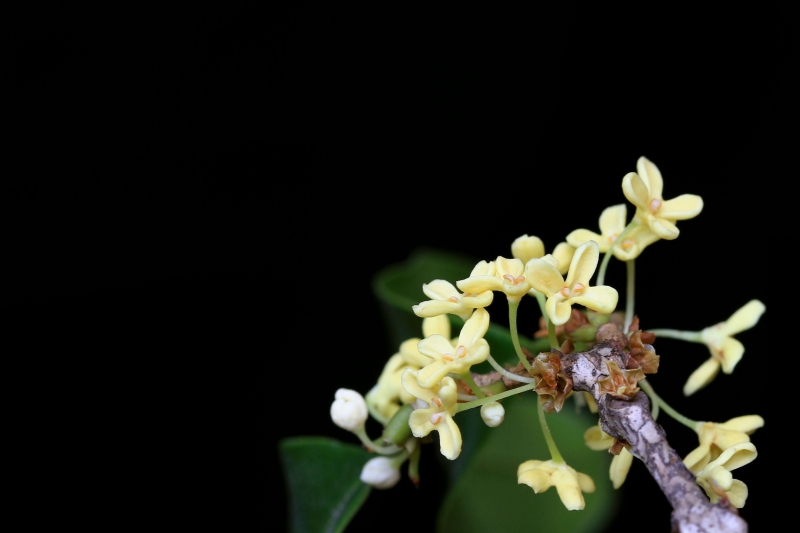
[[426, 386]]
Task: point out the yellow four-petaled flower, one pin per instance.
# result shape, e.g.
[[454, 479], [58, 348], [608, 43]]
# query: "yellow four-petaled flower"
[[561, 294]]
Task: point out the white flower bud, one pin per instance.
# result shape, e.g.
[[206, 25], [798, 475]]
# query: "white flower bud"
[[349, 410], [493, 414], [380, 473]]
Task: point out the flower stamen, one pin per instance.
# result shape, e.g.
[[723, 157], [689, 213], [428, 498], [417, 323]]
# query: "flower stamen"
[[654, 205]]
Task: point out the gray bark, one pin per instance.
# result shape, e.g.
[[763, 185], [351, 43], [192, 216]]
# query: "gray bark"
[[630, 421]]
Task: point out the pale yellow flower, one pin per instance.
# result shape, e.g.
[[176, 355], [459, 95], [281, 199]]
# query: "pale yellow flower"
[[717, 480], [716, 438], [441, 399], [506, 276], [561, 295], [386, 397], [612, 222], [445, 298], [644, 190], [634, 242], [527, 247], [470, 349], [725, 350], [597, 439], [541, 475]]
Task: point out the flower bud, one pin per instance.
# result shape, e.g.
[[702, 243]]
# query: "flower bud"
[[493, 414], [349, 410], [380, 473]]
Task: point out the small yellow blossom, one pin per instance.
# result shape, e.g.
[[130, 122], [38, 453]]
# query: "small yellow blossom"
[[716, 438], [445, 298], [634, 242], [507, 277], [470, 349], [612, 223], [441, 399], [644, 191], [527, 247], [725, 350], [561, 294], [716, 478], [541, 475], [386, 397], [597, 439]]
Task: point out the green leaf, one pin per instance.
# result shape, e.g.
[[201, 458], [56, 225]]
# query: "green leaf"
[[487, 497], [322, 476]]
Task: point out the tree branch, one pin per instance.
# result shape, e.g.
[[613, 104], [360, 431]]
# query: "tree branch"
[[630, 421]]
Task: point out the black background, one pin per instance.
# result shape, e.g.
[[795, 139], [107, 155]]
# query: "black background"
[[202, 192]]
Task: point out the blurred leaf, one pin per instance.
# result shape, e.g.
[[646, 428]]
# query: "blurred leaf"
[[322, 476], [487, 497]]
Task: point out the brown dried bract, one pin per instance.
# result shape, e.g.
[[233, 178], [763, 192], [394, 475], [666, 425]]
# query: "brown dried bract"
[[620, 383], [647, 338], [618, 446], [642, 355], [552, 384]]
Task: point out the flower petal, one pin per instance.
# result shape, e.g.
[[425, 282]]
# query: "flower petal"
[[701, 377], [439, 289], [536, 479], [744, 318], [543, 276], [474, 328], [681, 207], [558, 311], [620, 465], [584, 263], [698, 458], [746, 424], [480, 283], [732, 351], [434, 346], [738, 494], [563, 253], [410, 353], [663, 228], [737, 455], [438, 325], [651, 176], [602, 299], [636, 191], [449, 438], [613, 220], [580, 236]]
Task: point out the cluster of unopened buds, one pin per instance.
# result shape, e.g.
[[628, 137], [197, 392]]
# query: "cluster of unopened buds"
[[429, 380]]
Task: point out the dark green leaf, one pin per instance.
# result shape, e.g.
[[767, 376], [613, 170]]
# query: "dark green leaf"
[[322, 476]]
